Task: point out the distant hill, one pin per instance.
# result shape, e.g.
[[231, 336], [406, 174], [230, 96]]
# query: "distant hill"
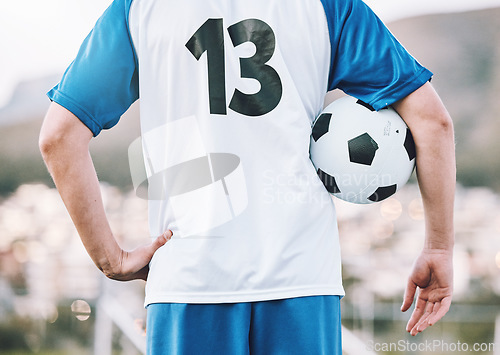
[[21, 162], [28, 101], [463, 50]]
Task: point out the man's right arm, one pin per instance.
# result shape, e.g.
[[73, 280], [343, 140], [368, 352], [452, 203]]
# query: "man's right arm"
[[64, 143]]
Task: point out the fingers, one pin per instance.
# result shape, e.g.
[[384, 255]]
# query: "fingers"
[[155, 245], [422, 322], [135, 264], [146, 252], [161, 240], [409, 295], [420, 319], [417, 314], [438, 313], [143, 273]]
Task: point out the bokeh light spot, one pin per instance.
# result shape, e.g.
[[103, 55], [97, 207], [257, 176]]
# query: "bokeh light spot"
[[416, 209], [391, 209], [384, 230], [81, 310]]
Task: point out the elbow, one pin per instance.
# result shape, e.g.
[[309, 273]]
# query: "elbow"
[[44, 145], [444, 122], [444, 127], [49, 137], [62, 132], [48, 142], [435, 124], [434, 131]]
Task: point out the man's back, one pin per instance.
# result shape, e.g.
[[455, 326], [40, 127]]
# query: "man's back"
[[229, 90]]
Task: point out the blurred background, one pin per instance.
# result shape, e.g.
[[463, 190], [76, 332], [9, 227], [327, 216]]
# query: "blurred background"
[[54, 301]]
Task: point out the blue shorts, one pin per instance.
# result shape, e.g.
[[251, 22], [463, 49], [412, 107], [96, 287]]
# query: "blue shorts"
[[304, 325]]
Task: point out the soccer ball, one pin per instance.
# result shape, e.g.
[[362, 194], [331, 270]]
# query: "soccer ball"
[[361, 155]]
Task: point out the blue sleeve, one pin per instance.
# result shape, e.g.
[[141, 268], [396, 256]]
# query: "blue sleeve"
[[102, 82], [367, 62]]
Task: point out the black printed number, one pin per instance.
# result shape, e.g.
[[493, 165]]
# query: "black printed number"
[[210, 38]]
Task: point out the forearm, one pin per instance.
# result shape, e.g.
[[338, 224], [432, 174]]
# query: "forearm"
[[436, 177], [70, 165], [432, 131]]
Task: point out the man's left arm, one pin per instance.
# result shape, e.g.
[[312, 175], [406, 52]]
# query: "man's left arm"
[[432, 274]]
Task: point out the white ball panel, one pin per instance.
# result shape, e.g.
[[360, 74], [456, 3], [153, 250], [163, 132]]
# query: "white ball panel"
[[390, 165]]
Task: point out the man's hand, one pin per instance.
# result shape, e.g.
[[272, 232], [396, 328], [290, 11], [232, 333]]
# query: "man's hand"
[[133, 265], [433, 275]]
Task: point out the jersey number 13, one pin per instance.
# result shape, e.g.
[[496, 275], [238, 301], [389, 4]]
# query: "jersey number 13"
[[210, 38]]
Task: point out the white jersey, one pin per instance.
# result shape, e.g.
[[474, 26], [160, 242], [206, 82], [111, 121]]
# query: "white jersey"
[[229, 90]]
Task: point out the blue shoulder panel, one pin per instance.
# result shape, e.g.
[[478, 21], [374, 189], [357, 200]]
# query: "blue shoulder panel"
[[367, 62], [102, 82]]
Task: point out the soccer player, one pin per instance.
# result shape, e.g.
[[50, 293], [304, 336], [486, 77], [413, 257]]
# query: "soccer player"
[[245, 254]]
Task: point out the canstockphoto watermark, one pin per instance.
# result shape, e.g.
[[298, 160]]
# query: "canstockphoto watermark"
[[438, 346]]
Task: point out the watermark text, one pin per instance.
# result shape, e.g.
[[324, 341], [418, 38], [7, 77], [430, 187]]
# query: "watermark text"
[[438, 346]]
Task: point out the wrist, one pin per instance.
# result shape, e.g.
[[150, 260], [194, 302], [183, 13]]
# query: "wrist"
[[440, 240], [110, 264], [438, 250], [107, 268]]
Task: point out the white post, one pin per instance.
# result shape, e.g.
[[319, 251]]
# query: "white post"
[[352, 345], [103, 327], [496, 350]]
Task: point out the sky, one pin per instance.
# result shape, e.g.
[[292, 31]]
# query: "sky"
[[41, 37]]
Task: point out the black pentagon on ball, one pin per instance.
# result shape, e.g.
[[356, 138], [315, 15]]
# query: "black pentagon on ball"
[[368, 106], [329, 182], [321, 126], [364, 104], [409, 145], [383, 192], [362, 149]]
